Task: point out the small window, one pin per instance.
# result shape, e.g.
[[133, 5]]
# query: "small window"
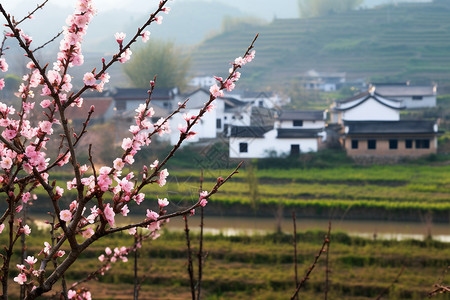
[[417, 97], [393, 144], [225, 117], [295, 150], [298, 123], [422, 144], [219, 123], [354, 144], [408, 144], [371, 144], [243, 147], [261, 103]]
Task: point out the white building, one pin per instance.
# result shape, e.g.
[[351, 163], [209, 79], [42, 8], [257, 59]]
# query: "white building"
[[413, 96], [368, 106], [293, 132]]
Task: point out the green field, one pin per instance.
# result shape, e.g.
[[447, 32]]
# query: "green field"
[[395, 192], [261, 267]]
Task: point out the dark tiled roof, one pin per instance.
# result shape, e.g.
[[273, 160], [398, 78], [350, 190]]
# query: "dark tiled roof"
[[297, 133], [366, 96], [390, 127], [141, 94], [250, 131], [301, 115]]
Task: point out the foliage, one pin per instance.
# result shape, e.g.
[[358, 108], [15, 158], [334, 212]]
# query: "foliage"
[[161, 58], [319, 8]]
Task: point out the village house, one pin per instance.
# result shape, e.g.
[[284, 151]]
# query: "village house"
[[323, 81], [372, 129], [413, 96], [293, 132]]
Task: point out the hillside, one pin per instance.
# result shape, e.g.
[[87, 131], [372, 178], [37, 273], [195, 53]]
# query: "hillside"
[[402, 42]]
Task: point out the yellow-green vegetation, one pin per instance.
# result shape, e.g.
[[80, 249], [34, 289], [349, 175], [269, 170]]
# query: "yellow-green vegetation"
[[261, 267], [403, 189]]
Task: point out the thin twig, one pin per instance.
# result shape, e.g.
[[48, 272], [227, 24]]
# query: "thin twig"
[[48, 42], [189, 256], [200, 250], [311, 268], [391, 285]]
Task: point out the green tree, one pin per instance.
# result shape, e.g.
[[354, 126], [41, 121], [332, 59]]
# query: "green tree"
[[159, 58], [317, 8]]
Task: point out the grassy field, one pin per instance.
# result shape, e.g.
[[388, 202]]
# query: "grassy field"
[[261, 267], [396, 192]]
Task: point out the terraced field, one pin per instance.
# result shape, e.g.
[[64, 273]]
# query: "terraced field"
[[405, 42]]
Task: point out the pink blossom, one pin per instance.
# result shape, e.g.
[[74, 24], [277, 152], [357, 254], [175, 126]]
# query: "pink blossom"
[[109, 215], [31, 260], [6, 163], [139, 198], [9, 134], [2, 83], [60, 253], [145, 36], [25, 197], [215, 91], [210, 108], [118, 164], [65, 215], [59, 191], [166, 10], [229, 85], [3, 65], [151, 215], [87, 233], [163, 202], [126, 143], [71, 294], [162, 177], [45, 103], [125, 210], [2, 226], [132, 231], [101, 258], [27, 230], [202, 198], [154, 164], [54, 77], [126, 55], [120, 37], [182, 128], [108, 251], [159, 19], [21, 278], [46, 126], [89, 79]]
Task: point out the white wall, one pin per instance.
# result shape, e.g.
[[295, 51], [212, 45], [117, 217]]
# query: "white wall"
[[261, 147], [306, 124], [371, 110], [427, 101], [205, 128]]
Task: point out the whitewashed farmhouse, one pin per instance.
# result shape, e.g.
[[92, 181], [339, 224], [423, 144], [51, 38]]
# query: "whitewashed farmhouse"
[[293, 132]]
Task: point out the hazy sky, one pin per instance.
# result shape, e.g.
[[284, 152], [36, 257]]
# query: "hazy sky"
[[261, 8]]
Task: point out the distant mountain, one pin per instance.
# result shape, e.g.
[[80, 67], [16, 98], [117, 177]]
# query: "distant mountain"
[[401, 42]]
